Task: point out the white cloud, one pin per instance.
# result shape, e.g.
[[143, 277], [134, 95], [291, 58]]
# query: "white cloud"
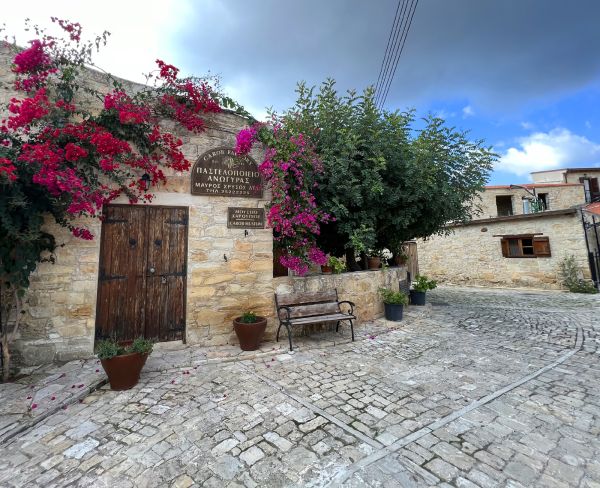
[[468, 111], [555, 149], [140, 31], [588, 124], [527, 125]]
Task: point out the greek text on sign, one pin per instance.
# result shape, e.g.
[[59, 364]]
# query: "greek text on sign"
[[246, 218], [221, 172]]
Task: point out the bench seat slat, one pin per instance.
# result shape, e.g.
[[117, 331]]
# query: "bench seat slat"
[[313, 309], [321, 318]]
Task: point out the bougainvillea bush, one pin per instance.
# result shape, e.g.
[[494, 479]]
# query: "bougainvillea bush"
[[290, 167], [66, 149]]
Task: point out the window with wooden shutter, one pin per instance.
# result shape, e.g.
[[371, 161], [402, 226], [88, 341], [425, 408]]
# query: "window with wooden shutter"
[[541, 246], [525, 246], [505, 249]]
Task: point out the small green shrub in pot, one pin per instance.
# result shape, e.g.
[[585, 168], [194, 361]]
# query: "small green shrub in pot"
[[249, 329], [123, 365], [393, 297], [248, 318], [419, 289], [336, 264], [393, 303]]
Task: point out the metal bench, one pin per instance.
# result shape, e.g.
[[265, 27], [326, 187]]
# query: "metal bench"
[[312, 308]]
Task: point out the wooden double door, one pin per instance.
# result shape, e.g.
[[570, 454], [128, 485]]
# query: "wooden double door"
[[142, 275]]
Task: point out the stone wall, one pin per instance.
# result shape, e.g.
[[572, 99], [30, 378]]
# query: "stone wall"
[[360, 287], [473, 256], [60, 307], [559, 197]]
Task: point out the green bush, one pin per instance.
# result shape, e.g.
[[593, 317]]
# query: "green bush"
[[109, 348], [141, 346], [248, 318], [422, 283], [569, 276], [336, 264], [393, 297]]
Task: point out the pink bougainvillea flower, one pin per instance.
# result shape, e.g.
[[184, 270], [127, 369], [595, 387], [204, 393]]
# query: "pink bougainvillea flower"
[[97, 371], [64, 407], [33, 406], [29, 397], [172, 382], [53, 398]]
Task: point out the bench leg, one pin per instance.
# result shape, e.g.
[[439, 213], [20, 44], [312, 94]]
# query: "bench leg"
[[278, 329], [289, 335], [352, 328], [337, 326]]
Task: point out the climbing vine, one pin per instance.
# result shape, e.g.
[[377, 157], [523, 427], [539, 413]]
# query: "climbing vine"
[[62, 156], [290, 166]]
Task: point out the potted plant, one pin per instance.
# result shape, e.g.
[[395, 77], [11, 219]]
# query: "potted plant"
[[374, 259], [123, 364], [327, 268], [401, 257], [334, 265], [419, 289], [393, 303], [250, 329]]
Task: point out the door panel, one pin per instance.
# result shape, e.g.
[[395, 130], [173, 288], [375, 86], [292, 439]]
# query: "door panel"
[[141, 287]]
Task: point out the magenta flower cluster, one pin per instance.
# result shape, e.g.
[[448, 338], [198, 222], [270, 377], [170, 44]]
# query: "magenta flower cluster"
[[290, 166]]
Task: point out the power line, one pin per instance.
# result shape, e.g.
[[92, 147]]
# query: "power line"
[[397, 35], [407, 24], [385, 59]]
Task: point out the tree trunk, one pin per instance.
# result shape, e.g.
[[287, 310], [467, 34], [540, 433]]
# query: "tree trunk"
[[351, 260]]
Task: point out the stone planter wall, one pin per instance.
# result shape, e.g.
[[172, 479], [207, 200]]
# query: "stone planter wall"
[[360, 287]]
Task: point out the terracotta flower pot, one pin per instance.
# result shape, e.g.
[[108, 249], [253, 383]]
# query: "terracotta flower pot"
[[124, 371], [326, 269], [374, 262], [250, 334]]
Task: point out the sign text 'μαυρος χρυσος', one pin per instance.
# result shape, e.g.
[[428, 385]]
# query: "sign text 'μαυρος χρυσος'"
[[220, 172], [246, 218]]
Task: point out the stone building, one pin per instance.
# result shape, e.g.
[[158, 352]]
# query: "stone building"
[[519, 234], [179, 269]]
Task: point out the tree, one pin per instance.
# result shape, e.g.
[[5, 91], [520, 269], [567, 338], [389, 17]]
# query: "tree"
[[384, 181], [65, 159]]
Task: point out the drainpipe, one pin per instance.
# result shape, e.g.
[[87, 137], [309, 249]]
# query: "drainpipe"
[[591, 260], [597, 252]]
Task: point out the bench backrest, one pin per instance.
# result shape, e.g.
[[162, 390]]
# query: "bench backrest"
[[307, 304]]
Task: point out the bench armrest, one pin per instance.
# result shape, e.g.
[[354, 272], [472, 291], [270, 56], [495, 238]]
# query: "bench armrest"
[[288, 311], [352, 305]]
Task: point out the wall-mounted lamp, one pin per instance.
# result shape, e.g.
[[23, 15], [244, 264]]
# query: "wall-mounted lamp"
[[246, 232], [145, 181], [225, 257]]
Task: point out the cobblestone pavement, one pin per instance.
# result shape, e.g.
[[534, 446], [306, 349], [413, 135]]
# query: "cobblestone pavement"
[[490, 388]]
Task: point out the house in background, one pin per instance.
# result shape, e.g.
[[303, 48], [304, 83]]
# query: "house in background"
[[520, 233]]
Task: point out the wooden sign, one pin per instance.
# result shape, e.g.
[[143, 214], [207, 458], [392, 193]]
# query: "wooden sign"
[[245, 218], [221, 172]]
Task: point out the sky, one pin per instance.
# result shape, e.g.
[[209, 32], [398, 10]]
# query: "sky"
[[524, 75]]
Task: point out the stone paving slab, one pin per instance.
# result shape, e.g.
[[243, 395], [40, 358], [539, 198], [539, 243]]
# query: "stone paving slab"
[[489, 388]]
